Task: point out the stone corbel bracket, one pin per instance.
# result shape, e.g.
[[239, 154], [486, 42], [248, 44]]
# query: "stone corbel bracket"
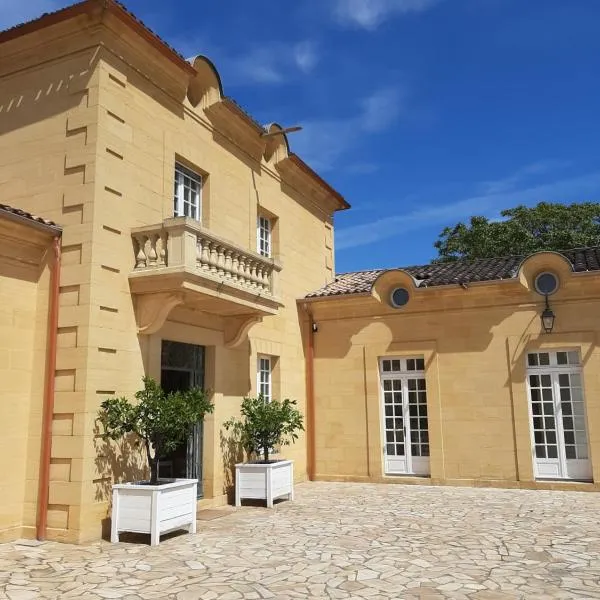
[[152, 310], [237, 328]]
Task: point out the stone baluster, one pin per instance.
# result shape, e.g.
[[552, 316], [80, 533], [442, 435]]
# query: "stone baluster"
[[162, 252], [214, 257], [242, 269], [235, 266], [267, 278], [253, 274], [152, 255], [227, 266], [220, 260], [204, 253], [141, 260], [259, 268]]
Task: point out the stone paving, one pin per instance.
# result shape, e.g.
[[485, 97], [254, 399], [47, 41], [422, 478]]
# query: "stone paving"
[[342, 541]]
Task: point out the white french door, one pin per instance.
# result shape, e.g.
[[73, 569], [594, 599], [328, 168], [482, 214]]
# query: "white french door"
[[557, 415], [404, 416]]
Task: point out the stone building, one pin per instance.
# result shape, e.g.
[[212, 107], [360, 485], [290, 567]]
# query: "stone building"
[[189, 245]]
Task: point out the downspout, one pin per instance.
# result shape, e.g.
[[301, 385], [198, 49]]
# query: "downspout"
[[310, 399], [48, 409]]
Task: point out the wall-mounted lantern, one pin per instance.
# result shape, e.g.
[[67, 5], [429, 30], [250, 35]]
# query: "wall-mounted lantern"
[[548, 317]]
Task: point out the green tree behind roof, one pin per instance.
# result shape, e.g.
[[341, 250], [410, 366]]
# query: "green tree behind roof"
[[523, 230]]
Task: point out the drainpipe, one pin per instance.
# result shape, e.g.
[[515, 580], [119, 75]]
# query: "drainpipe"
[[310, 399], [48, 410]]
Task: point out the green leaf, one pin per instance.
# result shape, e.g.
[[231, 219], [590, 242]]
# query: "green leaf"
[[521, 231], [265, 425]]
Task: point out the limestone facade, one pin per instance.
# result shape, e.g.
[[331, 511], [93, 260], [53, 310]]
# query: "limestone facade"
[[97, 114]]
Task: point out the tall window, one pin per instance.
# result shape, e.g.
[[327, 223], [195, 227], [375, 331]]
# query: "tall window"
[[263, 236], [263, 377], [186, 195]]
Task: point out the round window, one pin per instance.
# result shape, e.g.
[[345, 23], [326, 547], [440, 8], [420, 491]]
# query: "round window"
[[399, 297], [546, 284]]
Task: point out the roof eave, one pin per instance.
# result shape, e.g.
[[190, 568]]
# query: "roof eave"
[[54, 230], [342, 203], [85, 7]]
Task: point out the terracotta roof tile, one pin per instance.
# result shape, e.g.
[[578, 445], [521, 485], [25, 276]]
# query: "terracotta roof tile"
[[457, 272], [4, 208]]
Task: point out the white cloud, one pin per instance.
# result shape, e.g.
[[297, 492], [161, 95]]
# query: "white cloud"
[[382, 108], [323, 142], [14, 12], [369, 14], [512, 181], [260, 65], [585, 187], [306, 56], [265, 63]]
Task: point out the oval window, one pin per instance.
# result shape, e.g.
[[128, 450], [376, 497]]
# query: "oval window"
[[399, 297], [546, 284]]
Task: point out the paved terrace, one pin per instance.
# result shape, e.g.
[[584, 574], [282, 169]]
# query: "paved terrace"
[[342, 541]]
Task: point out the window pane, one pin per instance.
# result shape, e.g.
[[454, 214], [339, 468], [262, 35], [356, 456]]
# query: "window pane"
[[573, 357], [552, 452], [396, 365], [387, 365], [570, 452], [532, 360], [546, 380], [540, 451], [544, 358], [420, 364], [561, 358], [534, 380], [387, 385]]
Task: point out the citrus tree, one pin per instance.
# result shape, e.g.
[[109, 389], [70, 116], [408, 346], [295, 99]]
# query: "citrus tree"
[[266, 424], [161, 421]]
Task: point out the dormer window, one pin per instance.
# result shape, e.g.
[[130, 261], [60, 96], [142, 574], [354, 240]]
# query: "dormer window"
[[187, 193]]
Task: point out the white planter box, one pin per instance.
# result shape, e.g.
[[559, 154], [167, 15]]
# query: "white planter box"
[[154, 509], [264, 481]]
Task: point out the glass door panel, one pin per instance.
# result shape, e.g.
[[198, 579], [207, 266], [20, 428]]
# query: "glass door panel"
[[395, 446], [558, 422], [404, 415], [183, 368]]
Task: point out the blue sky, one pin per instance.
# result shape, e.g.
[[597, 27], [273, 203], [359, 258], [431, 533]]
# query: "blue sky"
[[421, 112]]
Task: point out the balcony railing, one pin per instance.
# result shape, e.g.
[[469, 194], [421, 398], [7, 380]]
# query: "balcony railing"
[[183, 242]]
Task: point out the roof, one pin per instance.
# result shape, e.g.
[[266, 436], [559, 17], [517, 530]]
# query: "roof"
[[455, 272], [9, 211], [117, 8]]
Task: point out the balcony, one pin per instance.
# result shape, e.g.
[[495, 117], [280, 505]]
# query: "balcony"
[[178, 262]]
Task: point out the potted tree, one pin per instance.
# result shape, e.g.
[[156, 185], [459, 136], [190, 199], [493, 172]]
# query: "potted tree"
[[161, 422], [263, 426]]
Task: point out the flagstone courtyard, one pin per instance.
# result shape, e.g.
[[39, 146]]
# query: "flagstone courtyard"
[[341, 541]]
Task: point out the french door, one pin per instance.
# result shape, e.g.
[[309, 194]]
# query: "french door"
[[182, 367], [404, 416], [557, 416]]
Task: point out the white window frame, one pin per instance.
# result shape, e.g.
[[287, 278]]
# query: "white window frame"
[[403, 369], [263, 236], [264, 377], [186, 180], [569, 468]]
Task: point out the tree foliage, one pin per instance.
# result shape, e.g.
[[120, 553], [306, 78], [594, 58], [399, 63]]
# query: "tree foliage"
[[266, 424], [162, 421], [523, 230]]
